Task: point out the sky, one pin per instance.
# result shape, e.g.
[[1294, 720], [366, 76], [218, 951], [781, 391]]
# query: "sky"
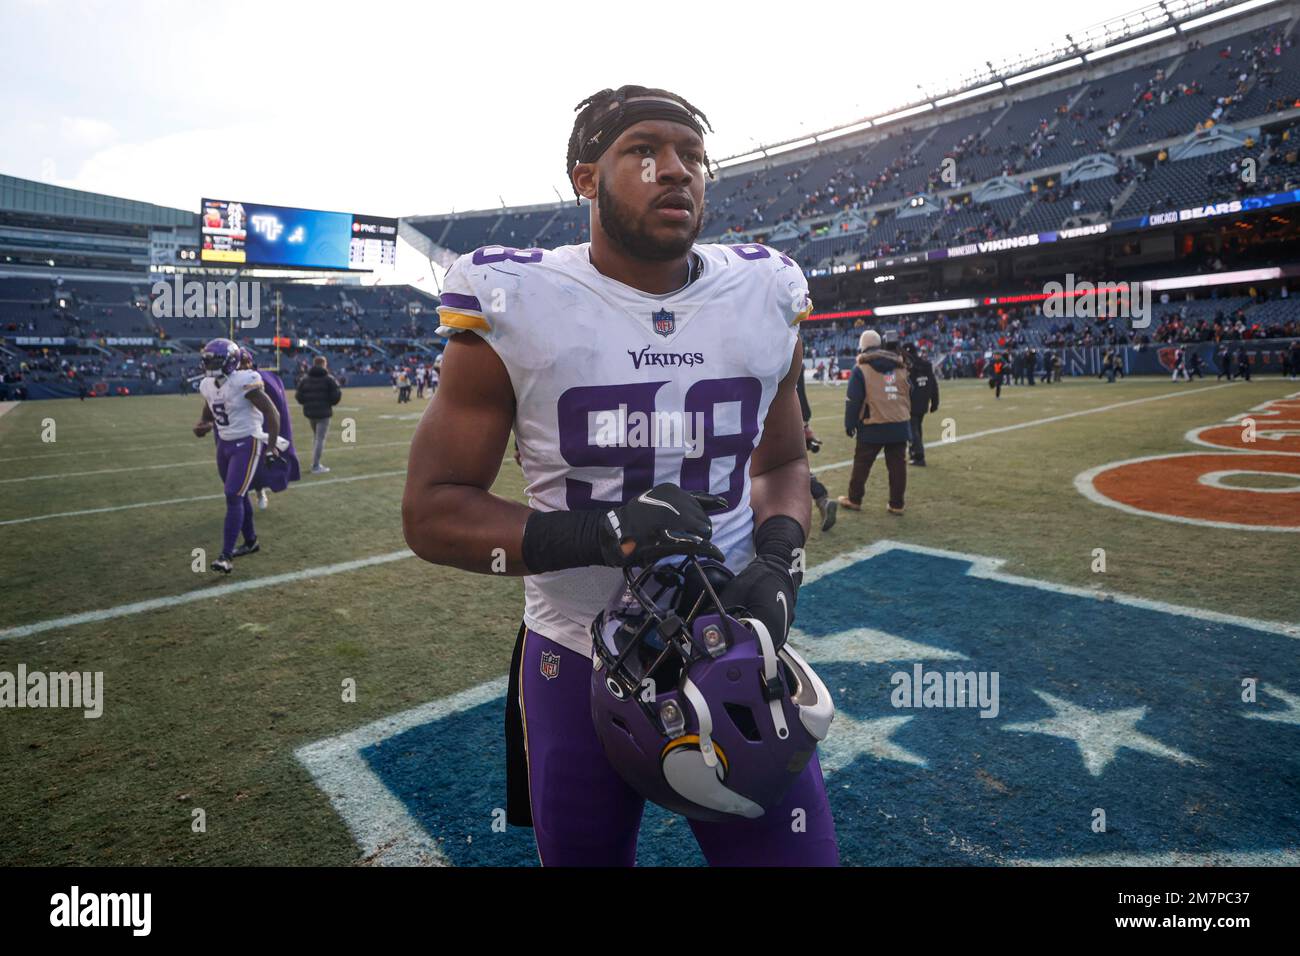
[[404, 108]]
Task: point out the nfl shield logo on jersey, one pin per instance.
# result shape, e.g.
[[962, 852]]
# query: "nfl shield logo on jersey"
[[550, 665], [665, 324]]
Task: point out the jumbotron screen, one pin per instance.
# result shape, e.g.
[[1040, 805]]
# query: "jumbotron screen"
[[244, 233]]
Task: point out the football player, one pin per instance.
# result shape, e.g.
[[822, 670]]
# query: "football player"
[[235, 401], [650, 382]]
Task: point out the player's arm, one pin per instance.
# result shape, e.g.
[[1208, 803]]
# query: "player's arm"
[[450, 517], [779, 493], [448, 514], [270, 417], [778, 471], [205, 422]]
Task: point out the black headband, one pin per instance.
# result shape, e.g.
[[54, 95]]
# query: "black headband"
[[595, 139]]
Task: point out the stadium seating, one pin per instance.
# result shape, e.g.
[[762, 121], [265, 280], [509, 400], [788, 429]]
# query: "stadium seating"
[[1030, 137]]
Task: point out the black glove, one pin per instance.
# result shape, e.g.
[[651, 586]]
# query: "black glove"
[[769, 586], [656, 524]]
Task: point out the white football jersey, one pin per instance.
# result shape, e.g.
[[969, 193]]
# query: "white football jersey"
[[235, 415], [618, 390]]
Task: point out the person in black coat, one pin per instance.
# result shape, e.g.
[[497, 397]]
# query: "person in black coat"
[[1223, 358], [925, 397], [318, 393], [1243, 364]]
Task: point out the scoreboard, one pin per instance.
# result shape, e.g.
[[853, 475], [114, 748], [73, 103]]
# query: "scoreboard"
[[255, 234]]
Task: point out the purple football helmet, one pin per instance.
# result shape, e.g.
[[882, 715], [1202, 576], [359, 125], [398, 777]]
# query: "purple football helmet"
[[695, 708], [220, 357], [246, 359]]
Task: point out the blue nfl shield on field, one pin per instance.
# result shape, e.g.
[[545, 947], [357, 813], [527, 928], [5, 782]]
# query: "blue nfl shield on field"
[[665, 324]]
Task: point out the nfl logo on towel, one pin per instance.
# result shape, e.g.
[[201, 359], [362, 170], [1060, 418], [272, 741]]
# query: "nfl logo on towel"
[[665, 324]]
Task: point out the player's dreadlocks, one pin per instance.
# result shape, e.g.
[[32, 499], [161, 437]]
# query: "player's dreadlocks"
[[599, 118]]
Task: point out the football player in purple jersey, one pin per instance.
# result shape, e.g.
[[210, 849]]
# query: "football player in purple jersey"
[[576, 349], [236, 403]]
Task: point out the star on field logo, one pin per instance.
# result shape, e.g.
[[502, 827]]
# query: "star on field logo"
[[1160, 733]]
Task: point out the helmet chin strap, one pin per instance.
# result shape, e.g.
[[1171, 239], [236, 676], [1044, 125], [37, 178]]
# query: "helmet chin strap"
[[770, 674], [705, 720]]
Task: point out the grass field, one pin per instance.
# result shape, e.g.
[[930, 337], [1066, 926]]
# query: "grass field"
[[207, 697]]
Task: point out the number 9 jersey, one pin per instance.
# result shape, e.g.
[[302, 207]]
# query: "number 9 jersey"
[[618, 390], [235, 416]]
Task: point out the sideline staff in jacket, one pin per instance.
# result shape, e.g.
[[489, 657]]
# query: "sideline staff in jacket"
[[924, 397], [878, 411], [318, 393]]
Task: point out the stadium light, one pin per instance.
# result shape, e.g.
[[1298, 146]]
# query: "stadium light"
[[736, 160], [1218, 278], [845, 130], [1221, 14], [1131, 44], [1044, 71], [969, 94], [903, 114], [927, 307], [786, 147]]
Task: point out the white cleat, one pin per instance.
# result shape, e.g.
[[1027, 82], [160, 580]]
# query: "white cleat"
[[263, 500], [319, 470]]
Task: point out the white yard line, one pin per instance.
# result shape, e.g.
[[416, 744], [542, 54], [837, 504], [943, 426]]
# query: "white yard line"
[[7, 407], [379, 822], [202, 594], [114, 449], [97, 451], [106, 471], [176, 501], [181, 464], [931, 446]]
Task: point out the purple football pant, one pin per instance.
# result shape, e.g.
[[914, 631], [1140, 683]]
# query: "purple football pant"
[[585, 815], [237, 463]]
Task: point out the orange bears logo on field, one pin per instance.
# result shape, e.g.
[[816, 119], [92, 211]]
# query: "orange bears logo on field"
[[1252, 484]]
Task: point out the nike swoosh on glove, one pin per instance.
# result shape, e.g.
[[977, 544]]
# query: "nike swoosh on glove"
[[765, 590], [658, 523]]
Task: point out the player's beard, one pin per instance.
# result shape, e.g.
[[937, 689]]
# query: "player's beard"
[[626, 230]]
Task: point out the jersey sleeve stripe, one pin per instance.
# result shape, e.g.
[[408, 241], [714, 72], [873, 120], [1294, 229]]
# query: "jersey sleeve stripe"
[[461, 303], [460, 321]]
